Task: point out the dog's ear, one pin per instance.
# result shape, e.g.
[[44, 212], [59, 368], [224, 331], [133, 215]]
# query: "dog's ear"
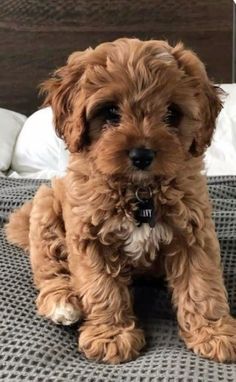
[[208, 96], [63, 94]]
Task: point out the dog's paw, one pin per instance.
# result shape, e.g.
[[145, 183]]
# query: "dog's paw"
[[58, 308], [64, 314], [216, 341], [110, 344]]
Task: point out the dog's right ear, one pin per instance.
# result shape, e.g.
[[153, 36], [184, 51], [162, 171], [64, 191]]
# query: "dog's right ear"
[[63, 94]]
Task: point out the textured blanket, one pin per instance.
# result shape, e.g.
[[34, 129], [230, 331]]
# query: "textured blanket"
[[34, 349]]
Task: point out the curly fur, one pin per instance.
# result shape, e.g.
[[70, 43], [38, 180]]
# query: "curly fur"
[[83, 240]]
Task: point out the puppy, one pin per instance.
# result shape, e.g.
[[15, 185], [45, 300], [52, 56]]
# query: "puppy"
[[137, 117]]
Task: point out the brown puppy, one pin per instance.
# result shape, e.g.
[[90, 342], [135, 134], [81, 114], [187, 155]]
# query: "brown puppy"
[[136, 117]]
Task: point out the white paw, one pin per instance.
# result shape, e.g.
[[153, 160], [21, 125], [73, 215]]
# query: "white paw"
[[64, 314]]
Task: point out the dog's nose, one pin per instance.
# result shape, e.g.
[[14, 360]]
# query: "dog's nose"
[[141, 157]]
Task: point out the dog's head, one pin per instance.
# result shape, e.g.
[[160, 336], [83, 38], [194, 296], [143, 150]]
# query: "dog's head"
[[136, 108]]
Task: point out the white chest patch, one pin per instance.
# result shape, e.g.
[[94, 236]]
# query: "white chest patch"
[[145, 240]]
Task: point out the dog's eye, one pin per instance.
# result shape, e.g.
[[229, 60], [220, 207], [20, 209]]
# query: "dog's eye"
[[173, 115], [110, 114]]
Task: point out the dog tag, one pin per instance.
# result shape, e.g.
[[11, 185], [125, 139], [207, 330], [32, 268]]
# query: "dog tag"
[[145, 212]]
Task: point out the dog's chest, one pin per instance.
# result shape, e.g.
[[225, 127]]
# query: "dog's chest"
[[145, 241]]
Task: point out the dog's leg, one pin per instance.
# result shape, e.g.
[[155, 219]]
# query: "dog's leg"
[[56, 300], [195, 276], [109, 333]]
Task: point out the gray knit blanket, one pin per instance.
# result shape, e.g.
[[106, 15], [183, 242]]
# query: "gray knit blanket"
[[34, 349]]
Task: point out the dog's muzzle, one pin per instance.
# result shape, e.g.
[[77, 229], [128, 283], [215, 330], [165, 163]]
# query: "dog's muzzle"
[[141, 157]]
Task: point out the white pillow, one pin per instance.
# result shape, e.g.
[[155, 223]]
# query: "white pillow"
[[10, 126], [39, 152], [220, 158]]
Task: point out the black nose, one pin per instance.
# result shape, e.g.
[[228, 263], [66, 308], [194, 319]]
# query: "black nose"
[[141, 158]]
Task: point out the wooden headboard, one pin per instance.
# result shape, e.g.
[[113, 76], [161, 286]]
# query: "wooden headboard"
[[37, 36]]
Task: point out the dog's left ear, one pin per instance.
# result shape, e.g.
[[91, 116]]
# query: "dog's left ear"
[[209, 97], [63, 94]]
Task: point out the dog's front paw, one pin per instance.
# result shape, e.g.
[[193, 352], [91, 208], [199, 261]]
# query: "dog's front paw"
[[110, 344], [216, 341], [61, 307]]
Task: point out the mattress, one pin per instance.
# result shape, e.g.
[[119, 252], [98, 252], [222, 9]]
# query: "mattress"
[[34, 349]]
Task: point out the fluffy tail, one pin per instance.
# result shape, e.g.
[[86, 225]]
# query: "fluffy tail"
[[17, 229]]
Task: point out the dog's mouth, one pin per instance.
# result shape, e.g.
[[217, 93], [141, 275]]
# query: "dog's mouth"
[[141, 176]]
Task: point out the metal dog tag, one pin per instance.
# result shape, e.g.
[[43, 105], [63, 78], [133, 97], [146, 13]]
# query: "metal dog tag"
[[145, 212]]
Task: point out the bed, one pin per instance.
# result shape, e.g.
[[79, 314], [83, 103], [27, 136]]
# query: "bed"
[[35, 38]]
